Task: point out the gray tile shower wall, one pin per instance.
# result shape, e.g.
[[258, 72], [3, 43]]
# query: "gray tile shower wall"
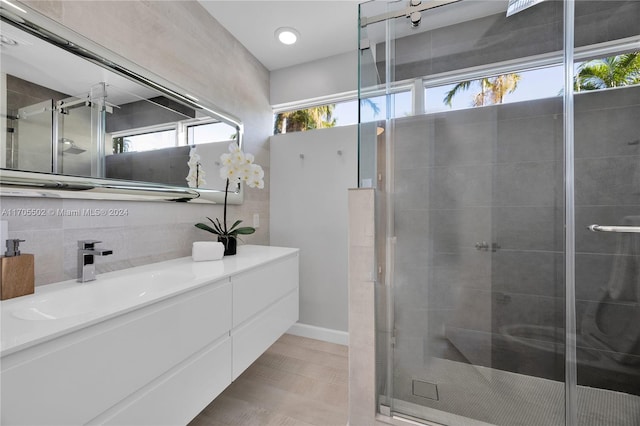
[[495, 175], [495, 38], [166, 166], [182, 43]]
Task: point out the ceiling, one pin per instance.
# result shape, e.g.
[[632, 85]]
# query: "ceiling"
[[326, 28], [30, 58]]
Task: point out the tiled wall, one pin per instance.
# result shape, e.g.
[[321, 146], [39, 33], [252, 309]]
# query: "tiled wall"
[[495, 38], [146, 232], [362, 337], [165, 166], [181, 42], [495, 175]]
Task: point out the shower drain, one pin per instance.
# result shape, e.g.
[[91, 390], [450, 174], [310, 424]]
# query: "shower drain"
[[425, 389]]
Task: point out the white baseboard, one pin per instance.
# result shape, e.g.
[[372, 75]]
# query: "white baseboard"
[[320, 333]]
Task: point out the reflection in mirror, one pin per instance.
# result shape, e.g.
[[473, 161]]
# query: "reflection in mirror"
[[65, 115]]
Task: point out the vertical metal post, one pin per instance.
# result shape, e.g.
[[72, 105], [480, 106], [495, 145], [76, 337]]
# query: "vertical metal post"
[[4, 144], [97, 96], [389, 188], [56, 133], [417, 92], [571, 387]]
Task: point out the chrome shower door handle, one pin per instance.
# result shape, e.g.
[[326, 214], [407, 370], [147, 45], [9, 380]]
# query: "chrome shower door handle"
[[618, 229]]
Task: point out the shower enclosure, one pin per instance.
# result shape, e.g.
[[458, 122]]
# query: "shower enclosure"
[[497, 134], [62, 135]]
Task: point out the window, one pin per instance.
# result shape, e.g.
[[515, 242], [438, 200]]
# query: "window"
[[375, 108], [604, 73], [545, 81], [209, 131], [342, 113], [596, 74], [186, 132], [321, 116], [505, 88], [144, 140]]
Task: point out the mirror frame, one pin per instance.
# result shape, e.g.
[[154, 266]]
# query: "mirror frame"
[[16, 183]]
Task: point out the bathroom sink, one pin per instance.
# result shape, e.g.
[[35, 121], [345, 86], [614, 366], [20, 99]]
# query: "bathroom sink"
[[100, 295], [169, 278], [58, 305]]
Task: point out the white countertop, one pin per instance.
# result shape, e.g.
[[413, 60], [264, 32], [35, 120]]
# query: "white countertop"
[[114, 293]]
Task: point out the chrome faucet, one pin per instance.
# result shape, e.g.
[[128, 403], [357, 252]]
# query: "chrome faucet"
[[86, 260]]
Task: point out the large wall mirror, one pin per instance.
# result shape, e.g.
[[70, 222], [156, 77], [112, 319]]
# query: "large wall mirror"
[[79, 121]]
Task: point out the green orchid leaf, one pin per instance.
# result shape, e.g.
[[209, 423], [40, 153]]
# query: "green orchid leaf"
[[215, 226], [220, 226], [206, 228], [236, 223], [245, 230]]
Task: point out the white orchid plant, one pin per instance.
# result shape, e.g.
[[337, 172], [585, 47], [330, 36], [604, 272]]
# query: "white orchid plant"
[[237, 167], [195, 178]]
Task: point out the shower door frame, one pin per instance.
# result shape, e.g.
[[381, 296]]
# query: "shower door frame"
[[566, 58], [571, 366]]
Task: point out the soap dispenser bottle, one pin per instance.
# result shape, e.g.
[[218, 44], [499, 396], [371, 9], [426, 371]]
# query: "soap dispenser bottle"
[[16, 272]]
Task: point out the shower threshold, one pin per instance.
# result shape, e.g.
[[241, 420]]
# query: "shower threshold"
[[507, 398], [436, 417]]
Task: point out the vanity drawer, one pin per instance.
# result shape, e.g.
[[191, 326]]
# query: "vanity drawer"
[[180, 395], [258, 288], [251, 339], [72, 379]]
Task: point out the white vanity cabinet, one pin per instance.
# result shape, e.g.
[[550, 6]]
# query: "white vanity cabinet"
[[265, 305], [161, 363]]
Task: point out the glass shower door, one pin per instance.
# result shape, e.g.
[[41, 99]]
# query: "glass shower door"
[[473, 184], [508, 209], [32, 149], [74, 134], [607, 193]]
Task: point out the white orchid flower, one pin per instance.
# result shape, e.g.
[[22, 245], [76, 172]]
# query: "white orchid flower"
[[245, 172], [233, 147], [225, 159], [256, 171], [256, 176], [238, 158], [256, 183], [232, 173], [195, 178]]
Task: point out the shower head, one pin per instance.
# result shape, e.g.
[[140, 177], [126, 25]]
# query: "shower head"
[[70, 147]]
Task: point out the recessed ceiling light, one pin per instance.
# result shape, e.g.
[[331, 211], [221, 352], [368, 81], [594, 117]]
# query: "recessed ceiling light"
[[287, 35]]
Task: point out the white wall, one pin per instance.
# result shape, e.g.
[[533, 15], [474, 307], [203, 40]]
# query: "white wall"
[[309, 211], [328, 76], [308, 206]]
